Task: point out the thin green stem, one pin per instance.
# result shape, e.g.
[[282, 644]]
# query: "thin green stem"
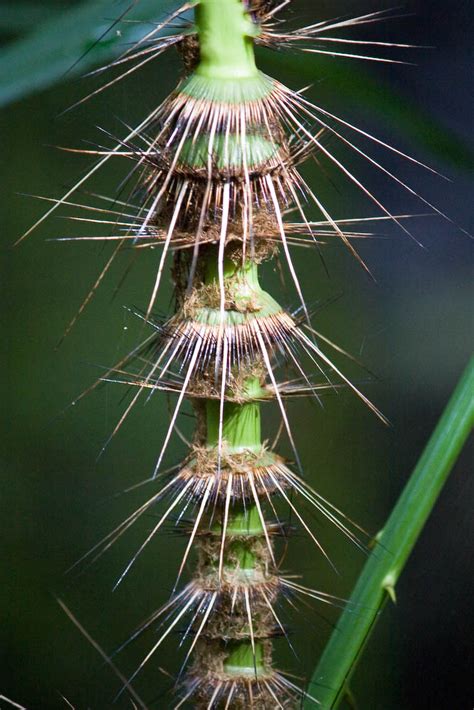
[[377, 581], [244, 521], [225, 40], [239, 433], [238, 273], [240, 425], [244, 660]]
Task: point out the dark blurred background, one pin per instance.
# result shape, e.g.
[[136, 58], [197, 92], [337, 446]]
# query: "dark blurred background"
[[412, 327]]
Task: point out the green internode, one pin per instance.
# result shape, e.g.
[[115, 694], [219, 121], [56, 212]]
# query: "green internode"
[[230, 152], [242, 288], [226, 34], [241, 429], [244, 522], [243, 274], [243, 659], [243, 528]]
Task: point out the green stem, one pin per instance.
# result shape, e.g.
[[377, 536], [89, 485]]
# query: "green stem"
[[246, 273], [241, 432], [241, 428], [244, 522], [240, 425], [242, 660], [380, 574], [225, 40], [243, 289], [243, 526]]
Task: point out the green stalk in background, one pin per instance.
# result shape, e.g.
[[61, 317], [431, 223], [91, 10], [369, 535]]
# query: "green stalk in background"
[[395, 542]]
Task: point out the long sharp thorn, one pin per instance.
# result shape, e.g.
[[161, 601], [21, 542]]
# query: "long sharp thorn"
[[169, 236], [160, 640], [202, 508], [189, 374], [88, 175], [149, 537], [201, 627], [126, 684], [224, 524]]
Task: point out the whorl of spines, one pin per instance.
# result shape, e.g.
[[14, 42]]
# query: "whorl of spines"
[[225, 322], [215, 169], [234, 475], [213, 180], [218, 170]]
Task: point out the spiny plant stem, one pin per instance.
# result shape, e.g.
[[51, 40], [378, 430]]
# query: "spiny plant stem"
[[237, 426], [244, 522], [216, 183], [396, 540], [241, 423], [243, 660]]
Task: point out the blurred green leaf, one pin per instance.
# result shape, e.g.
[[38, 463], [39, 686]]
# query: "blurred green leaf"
[[52, 50], [47, 53], [16, 15]]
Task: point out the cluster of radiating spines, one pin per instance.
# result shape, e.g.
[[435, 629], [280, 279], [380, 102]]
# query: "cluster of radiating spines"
[[230, 610], [230, 484], [214, 175], [216, 172], [218, 160], [224, 333]]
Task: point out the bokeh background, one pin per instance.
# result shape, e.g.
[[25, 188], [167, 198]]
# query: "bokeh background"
[[412, 327]]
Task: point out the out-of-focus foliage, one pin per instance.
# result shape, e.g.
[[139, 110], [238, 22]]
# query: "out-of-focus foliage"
[[46, 52]]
